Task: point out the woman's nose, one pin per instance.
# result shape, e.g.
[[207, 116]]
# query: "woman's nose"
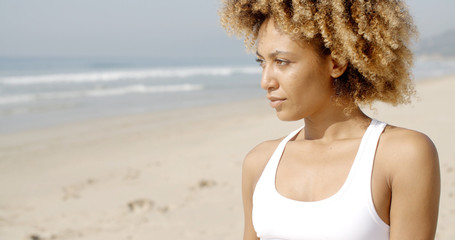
[[268, 80]]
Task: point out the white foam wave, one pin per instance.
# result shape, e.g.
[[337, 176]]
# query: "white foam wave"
[[127, 74], [98, 93]]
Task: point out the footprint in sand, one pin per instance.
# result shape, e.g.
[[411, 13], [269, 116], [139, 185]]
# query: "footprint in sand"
[[35, 237], [204, 183], [39, 237], [73, 191], [140, 205], [147, 205], [66, 234]]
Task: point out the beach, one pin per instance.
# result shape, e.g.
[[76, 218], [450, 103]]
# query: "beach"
[[172, 174]]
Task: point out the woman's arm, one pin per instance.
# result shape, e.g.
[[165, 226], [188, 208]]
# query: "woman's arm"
[[253, 165], [247, 196], [415, 186]]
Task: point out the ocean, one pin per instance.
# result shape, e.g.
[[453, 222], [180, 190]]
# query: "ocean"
[[37, 92]]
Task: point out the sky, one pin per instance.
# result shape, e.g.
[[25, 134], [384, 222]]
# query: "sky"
[[145, 28]]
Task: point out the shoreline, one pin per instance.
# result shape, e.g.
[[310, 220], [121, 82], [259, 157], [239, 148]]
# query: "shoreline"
[[171, 174]]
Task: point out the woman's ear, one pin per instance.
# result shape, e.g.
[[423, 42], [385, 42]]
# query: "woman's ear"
[[337, 67]]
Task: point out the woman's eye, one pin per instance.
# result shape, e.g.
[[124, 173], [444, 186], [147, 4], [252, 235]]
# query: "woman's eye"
[[260, 61], [281, 62]]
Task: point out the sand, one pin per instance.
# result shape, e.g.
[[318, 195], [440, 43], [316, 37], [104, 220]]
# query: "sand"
[[170, 175]]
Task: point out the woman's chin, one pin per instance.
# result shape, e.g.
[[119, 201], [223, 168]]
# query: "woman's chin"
[[283, 116]]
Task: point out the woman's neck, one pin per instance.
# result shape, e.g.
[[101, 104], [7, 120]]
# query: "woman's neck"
[[335, 125]]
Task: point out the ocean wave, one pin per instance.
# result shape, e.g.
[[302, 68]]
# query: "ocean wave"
[[23, 98], [127, 74]]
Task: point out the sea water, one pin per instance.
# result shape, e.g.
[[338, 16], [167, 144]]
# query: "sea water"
[[36, 93]]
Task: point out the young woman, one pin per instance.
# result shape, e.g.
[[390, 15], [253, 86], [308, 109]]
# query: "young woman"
[[343, 175]]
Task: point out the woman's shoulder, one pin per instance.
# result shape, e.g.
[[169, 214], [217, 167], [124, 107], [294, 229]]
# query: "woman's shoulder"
[[405, 150], [262, 152], [403, 140], [258, 157]]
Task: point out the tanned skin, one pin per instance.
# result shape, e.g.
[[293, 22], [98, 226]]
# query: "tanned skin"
[[405, 178]]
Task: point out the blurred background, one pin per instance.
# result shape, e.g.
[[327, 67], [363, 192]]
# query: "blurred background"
[[66, 61], [129, 119]]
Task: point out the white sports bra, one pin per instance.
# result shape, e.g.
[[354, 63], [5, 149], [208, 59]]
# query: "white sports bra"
[[348, 214]]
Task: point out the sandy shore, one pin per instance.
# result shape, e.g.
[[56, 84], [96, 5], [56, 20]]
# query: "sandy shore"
[[170, 175]]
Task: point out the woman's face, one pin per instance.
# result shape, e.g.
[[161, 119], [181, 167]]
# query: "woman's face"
[[297, 79]]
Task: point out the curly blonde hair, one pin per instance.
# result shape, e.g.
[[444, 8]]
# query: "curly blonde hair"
[[372, 37]]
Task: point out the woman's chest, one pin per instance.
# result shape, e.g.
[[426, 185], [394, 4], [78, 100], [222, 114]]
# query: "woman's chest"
[[312, 172]]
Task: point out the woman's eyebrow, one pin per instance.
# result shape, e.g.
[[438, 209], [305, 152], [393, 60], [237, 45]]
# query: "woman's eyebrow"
[[274, 54], [258, 54]]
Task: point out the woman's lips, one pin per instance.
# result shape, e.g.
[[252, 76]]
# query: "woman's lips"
[[276, 102]]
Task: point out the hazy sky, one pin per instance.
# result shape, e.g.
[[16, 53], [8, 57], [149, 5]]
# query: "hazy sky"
[[144, 28]]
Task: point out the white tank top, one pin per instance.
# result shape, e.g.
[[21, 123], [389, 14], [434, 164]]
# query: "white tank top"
[[348, 214]]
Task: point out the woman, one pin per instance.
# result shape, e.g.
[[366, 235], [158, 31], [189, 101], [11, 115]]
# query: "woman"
[[343, 175]]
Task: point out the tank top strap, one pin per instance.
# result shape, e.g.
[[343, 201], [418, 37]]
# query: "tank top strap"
[[272, 165], [367, 153]]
